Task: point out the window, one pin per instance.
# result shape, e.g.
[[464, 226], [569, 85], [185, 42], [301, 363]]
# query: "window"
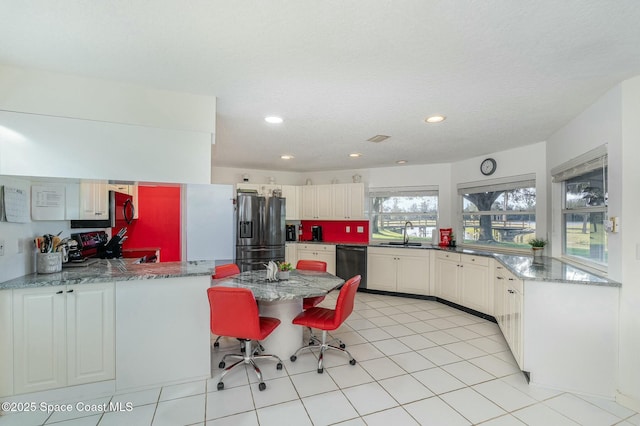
[[584, 207], [391, 208], [499, 213]]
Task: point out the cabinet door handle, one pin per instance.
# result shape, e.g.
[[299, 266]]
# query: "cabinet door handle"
[[59, 292], [499, 278], [511, 291], [70, 291]]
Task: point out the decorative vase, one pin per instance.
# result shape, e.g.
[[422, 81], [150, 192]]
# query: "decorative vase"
[[537, 254], [283, 275]]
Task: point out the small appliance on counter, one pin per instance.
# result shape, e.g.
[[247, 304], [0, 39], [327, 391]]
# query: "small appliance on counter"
[[316, 233], [292, 233], [113, 248]]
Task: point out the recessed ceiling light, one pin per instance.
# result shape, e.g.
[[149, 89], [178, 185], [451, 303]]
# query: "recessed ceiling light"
[[287, 157], [355, 155], [401, 161], [273, 119], [435, 119]]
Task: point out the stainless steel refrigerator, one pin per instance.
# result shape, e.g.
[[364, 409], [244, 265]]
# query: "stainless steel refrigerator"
[[260, 230]]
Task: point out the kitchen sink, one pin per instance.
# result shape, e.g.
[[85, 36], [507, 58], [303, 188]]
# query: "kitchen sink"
[[400, 243]]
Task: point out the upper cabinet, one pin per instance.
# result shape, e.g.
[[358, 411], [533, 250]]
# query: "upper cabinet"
[[292, 194], [348, 201], [94, 201], [333, 202]]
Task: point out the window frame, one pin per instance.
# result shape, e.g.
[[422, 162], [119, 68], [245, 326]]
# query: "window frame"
[[583, 169], [430, 191], [503, 185]]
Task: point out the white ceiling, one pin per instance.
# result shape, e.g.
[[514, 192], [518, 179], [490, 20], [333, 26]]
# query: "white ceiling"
[[505, 73]]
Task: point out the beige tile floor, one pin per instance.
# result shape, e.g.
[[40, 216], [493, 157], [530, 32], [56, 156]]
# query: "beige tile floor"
[[419, 363]]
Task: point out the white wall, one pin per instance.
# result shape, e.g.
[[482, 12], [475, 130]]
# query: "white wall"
[[629, 377], [519, 161], [613, 120], [63, 95], [18, 259], [56, 125], [419, 175]]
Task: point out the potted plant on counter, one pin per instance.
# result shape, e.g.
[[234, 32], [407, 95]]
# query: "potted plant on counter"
[[537, 245], [283, 270]]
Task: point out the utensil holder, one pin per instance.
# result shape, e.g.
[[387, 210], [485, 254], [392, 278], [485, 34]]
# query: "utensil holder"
[[48, 263]]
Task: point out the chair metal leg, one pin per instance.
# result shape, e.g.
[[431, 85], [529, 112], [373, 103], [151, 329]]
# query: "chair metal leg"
[[249, 357], [324, 346]]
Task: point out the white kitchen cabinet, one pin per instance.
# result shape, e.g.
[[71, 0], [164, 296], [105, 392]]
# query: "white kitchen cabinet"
[[317, 202], [323, 252], [509, 303], [6, 342], [475, 288], [94, 200], [292, 194], [348, 201], [63, 335], [464, 279], [398, 270], [447, 285], [291, 253]]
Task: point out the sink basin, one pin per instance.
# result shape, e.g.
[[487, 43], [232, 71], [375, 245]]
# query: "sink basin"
[[400, 243]]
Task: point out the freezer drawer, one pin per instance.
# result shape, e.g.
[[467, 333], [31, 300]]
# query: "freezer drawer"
[[250, 258]]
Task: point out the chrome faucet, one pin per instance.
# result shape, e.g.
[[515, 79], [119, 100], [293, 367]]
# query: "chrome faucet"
[[406, 237]]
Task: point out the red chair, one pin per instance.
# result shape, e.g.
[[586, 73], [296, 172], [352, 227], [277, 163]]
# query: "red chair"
[[234, 312], [311, 265], [223, 271], [329, 319]]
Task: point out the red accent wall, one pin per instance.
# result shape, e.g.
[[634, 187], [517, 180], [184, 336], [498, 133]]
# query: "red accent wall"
[[334, 231], [158, 223]]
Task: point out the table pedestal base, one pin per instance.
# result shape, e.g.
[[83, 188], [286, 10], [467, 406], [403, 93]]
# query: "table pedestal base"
[[287, 338]]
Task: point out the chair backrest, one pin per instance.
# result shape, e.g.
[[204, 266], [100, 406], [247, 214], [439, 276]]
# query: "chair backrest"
[[312, 265], [344, 304], [234, 312], [226, 270]]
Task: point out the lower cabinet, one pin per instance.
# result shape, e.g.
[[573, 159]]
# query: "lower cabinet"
[[398, 270], [63, 336], [464, 279], [508, 303], [291, 253], [323, 252]]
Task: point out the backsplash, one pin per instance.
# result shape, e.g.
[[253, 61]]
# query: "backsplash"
[[336, 230]]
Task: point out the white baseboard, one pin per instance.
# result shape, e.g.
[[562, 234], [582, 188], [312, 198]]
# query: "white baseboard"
[[627, 401]]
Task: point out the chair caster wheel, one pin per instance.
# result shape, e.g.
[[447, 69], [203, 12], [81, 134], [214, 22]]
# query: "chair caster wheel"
[[310, 342], [262, 386], [221, 365], [342, 346], [279, 366], [320, 370], [293, 358], [352, 361], [220, 385]]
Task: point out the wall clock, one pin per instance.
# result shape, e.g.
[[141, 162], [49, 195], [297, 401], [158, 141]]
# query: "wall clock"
[[488, 166]]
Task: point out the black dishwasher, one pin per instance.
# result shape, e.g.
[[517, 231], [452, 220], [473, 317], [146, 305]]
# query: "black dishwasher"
[[351, 260]]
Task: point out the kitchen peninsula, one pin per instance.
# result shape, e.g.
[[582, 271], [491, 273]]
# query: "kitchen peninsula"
[[112, 326]]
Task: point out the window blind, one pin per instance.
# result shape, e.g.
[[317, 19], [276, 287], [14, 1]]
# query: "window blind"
[[406, 191], [500, 184], [585, 163]]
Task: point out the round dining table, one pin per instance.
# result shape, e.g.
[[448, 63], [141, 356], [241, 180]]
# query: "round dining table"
[[283, 300]]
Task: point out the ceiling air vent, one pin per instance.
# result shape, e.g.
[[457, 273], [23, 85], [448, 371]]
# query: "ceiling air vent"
[[378, 138]]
